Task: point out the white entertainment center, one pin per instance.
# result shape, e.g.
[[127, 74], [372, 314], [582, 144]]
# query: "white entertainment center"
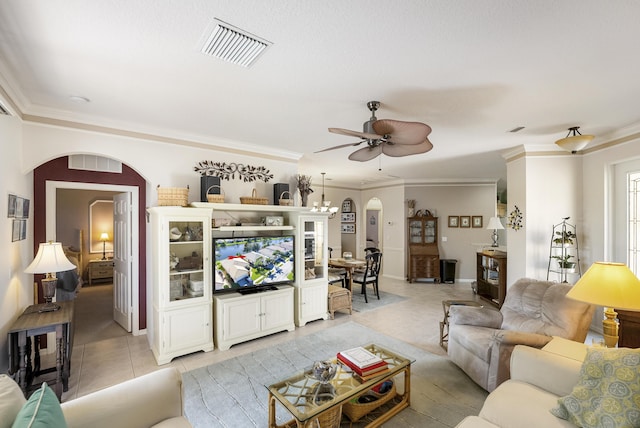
[[186, 316]]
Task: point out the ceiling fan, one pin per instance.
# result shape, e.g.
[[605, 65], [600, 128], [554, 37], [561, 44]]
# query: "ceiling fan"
[[392, 137]]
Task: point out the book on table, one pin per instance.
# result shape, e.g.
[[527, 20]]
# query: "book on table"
[[372, 366], [360, 357]]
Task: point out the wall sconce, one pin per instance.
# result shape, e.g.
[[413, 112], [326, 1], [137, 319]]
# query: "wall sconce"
[[574, 141], [104, 237]]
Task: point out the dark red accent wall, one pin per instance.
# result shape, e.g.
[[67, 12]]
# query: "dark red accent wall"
[[57, 170]]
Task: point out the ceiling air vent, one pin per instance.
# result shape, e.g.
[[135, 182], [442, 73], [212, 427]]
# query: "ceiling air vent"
[[232, 44]]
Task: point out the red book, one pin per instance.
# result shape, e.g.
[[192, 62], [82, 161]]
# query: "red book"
[[380, 366]]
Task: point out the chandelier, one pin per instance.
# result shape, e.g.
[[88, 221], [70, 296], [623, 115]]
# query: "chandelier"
[[325, 206]]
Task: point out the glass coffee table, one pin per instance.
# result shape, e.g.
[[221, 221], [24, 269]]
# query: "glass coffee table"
[[313, 404]]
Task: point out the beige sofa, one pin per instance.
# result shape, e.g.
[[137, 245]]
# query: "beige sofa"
[[152, 400], [538, 378]]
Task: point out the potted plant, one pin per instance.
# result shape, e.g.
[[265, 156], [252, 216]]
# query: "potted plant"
[[564, 238], [564, 263]]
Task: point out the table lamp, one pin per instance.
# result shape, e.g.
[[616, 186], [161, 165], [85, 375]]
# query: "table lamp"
[[611, 285], [495, 224], [49, 260], [104, 237]]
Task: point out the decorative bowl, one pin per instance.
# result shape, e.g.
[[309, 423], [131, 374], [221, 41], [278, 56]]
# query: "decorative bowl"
[[324, 371], [174, 234]]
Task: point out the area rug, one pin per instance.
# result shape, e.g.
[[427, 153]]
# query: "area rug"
[[232, 393], [358, 304]]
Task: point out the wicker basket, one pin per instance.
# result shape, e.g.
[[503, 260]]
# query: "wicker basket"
[[286, 202], [173, 196], [215, 198], [253, 199], [328, 419], [355, 410]]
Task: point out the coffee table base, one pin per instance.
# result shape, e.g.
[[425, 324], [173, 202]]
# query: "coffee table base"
[[373, 419]]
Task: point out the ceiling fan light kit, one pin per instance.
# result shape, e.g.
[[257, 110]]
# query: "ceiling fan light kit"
[[574, 141], [394, 138]]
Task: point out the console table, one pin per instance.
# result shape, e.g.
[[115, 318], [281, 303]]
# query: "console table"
[[33, 323]]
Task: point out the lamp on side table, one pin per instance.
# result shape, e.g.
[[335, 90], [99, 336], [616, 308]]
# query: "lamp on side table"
[[611, 285], [49, 260]]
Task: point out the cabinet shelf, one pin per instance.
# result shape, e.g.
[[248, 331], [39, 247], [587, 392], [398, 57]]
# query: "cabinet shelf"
[[491, 277], [251, 228]]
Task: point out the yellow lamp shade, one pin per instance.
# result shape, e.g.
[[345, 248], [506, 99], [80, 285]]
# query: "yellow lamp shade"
[[608, 284]]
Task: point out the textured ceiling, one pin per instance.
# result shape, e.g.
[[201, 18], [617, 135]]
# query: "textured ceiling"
[[470, 69]]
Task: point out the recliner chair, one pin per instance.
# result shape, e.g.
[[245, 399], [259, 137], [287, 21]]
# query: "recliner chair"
[[481, 340]]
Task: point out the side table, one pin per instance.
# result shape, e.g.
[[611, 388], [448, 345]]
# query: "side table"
[[33, 323], [444, 324], [100, 270]]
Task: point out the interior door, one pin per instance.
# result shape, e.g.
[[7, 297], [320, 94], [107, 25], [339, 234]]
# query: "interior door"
[[122, 260]]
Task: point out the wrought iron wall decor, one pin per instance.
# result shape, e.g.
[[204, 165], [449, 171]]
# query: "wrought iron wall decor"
[[224, 171], [515, 219]]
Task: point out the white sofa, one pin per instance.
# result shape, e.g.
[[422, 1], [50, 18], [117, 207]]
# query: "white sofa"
[[538, 378], [152, 400]]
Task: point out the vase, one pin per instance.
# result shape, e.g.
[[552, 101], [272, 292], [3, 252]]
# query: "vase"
[[304, 197]]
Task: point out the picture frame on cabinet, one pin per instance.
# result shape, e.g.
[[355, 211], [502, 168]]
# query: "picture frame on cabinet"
[[453, 221], [348, 217], [465, 221], [476, 221]]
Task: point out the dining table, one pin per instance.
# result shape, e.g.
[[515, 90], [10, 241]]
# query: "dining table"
[[350, 265]]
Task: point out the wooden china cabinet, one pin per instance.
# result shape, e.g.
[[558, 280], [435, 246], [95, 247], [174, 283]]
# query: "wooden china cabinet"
[[424, 259]]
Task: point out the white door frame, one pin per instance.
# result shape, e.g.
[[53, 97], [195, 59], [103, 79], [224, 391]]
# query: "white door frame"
[[51, 187]]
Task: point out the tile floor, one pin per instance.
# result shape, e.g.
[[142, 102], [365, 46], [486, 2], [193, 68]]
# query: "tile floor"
[[116, 356]]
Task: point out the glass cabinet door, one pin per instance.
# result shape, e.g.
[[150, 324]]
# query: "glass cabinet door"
[[315, 257], [430, 231], [186, 252], [415, 231]]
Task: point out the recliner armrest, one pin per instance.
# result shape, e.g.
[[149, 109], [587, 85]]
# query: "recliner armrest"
[[478, 316], [514, 337]]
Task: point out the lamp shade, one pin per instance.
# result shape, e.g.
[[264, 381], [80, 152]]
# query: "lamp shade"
[[494, 223], [574, 141], [608, 284], [50, 258], [104, 236]]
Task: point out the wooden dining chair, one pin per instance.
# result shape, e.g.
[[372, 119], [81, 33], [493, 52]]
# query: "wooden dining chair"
[[337, 274], [370, 275]]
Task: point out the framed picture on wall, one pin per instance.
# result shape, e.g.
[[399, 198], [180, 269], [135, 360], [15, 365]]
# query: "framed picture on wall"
[[11, 206], [476, 221], [453, 221], [346, 206], [348, 217], [348, 228], [465, 221]]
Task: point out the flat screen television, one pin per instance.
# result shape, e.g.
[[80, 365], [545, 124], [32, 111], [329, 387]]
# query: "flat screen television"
[[256, 263]]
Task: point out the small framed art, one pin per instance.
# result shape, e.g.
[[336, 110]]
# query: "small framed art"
[[465, 221], [453, 221], [476, 221], [348, 217], [348, 228]]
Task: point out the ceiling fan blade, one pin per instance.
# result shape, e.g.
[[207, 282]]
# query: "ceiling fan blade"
[[365, 135], [341, 146], [399, 150], [365, 154], [399, 132]]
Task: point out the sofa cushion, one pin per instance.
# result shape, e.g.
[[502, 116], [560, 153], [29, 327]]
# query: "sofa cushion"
[[11, 401], [177, 422], [516, 404], [42, 410], [608, 392]]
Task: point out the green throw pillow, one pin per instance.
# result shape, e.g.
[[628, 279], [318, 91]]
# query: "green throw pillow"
[[42, 410], [608, 392]]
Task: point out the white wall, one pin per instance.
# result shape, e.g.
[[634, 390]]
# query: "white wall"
[[16, 287], [516, 239]]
